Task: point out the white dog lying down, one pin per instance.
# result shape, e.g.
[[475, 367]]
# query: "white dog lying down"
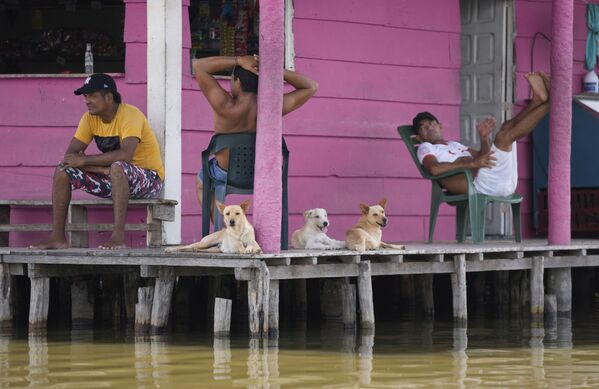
[[313, 235], [236, 237]]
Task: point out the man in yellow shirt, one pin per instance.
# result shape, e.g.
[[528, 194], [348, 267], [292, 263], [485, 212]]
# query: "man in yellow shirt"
[[129, 165]]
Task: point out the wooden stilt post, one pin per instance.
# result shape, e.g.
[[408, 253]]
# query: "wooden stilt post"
[[130, 284], [273, 309], [163, 294], [478, 288], [365, 295], [502, 291], [537, 290], [515, 297], [143, 309], [331, 291], [6, 292], [38, 303], [258, 286], [550, 311], [348, 297], [82, 304], [458, 286], [560, 284], [427, 296], [222, 316]]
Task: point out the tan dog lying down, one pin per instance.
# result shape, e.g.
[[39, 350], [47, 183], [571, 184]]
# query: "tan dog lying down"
[[313, 235], [367, 234], [236, 237]]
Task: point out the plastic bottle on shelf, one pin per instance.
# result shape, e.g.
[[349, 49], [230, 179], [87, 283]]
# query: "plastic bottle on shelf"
[[89, 59], [591, 83]]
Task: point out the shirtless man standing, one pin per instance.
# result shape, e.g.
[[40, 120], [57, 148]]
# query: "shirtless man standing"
[[494, 165], [237, 111]]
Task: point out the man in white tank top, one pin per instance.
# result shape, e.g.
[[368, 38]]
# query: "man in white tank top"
[[493, 166]]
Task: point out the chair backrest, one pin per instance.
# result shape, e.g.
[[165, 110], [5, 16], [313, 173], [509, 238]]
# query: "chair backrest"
[[410, 138], [242, 154]]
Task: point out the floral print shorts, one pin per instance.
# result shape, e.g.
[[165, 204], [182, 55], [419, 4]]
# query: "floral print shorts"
[[143, 183]]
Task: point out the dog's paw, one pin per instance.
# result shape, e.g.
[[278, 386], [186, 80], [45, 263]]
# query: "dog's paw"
[[252, 250]]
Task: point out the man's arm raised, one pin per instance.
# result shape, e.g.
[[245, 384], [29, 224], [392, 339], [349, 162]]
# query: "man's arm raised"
[[205, 68], [304, 89]]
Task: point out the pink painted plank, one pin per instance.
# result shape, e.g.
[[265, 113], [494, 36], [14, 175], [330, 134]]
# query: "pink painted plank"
[[136, 71], [435, 15], [533, 16], [373, 44], [372, 82], [52, 100], [323, 116], [136, 23], [349, 157], [34, 146]]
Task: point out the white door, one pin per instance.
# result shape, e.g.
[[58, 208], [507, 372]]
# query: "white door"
[[487, 79]]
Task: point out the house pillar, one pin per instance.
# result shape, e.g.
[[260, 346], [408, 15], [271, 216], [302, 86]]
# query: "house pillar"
[[560, 121], [164, 67], [268, 166]]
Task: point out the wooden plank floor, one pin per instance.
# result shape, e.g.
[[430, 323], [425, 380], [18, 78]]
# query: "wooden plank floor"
[[414, 252]]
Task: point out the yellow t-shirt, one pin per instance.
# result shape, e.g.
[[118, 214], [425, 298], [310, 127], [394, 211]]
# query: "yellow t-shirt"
[[128, 122]]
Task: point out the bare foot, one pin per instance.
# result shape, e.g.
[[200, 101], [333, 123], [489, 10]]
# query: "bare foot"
[[539, 91], [50, 244], [547, 82], [113, 243]]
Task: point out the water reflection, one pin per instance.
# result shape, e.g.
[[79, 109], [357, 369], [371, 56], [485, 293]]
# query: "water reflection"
[[38, 360], [423, 354]]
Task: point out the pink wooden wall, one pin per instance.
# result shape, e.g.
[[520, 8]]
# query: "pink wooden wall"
[[378, 63]]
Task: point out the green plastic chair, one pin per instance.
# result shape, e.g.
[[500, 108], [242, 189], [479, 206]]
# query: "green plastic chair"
[[471, 204]]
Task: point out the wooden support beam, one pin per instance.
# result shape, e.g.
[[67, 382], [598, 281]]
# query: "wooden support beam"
[[35, 270], [6, 292], [155, 230], [300, 298], [349, 258], [163, 294], [458, 286], [537, 289], [348, 303], [78, 215], [501, 291], [222, 316], [82, 304], [550, 310], [258, 292], [143, 308], [365, 295], [427, 296], [331, 299], [273, 309], [39, 303], [130, 285], [559, 283], [305, 261]]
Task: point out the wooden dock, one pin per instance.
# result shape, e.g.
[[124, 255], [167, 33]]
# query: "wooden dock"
[[149, 303]]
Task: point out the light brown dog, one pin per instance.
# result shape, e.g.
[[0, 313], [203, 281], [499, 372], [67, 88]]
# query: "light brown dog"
[[367, 234], [236, 237]]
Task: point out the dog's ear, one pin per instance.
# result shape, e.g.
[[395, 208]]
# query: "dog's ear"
[[383, 202], [364, 208], [220, 206], [245, 206], [308, 213]]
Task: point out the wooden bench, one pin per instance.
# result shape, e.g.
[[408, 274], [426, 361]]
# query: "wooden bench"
[[158, 211]]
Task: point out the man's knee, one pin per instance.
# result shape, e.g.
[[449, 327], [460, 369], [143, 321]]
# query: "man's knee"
[[117, 171], [60, 175]]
